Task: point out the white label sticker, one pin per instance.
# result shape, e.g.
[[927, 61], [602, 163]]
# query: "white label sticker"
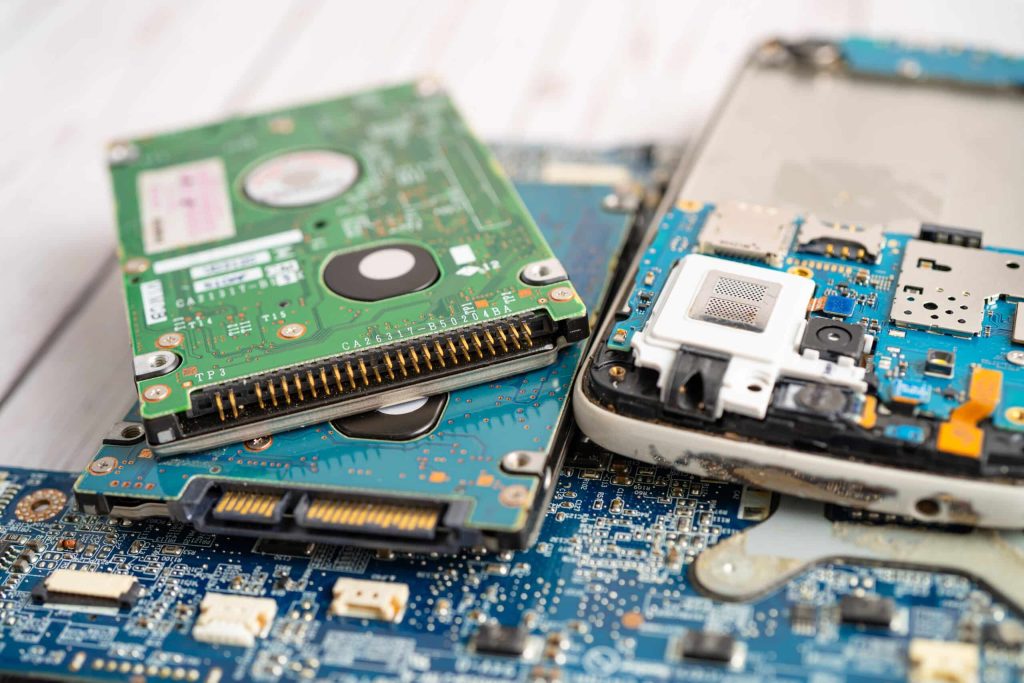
[[284, 273], [230, 265], [462, 254], [185, 205], [153, 303], [221, 281], [275, 241]]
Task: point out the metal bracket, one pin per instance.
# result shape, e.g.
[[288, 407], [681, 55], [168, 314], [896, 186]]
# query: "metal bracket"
[[155, 364], [544, 272], [798, 536], [524, 462]]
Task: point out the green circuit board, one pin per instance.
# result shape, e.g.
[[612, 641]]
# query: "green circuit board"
[[281, 268]]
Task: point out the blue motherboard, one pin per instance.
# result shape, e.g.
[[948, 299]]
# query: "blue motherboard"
[[606, 594], [862, 292], [933, 319], [974, 67]]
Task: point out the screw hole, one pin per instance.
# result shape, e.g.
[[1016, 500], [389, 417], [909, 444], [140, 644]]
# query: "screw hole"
[[929, 507], [754, 388], [931, 305], [131, 432]]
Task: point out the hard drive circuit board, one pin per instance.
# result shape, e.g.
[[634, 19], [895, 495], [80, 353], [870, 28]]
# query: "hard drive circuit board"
[[299, 262]]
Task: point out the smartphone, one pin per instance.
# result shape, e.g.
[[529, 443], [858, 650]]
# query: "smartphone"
[[829, 303]]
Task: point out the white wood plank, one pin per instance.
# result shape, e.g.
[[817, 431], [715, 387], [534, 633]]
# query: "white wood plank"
[[60, 414], [169, 65]]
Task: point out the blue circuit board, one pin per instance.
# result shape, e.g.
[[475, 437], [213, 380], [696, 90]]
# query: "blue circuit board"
[[858, 292], [457, 462], [604, 595], [889, 58]]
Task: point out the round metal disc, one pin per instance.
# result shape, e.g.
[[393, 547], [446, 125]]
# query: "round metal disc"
[[301, 178]]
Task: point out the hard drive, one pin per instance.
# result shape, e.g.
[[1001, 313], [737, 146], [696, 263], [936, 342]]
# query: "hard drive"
[[318, 261], [473, 467]]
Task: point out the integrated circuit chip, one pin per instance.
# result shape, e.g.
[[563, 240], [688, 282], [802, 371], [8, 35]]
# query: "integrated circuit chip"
[[497, 639], [710, 646], [867, 610]]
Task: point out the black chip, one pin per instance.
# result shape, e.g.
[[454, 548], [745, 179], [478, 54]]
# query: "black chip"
[[274, 546], [707, 646], [833, 338], [495, 639], [803, 614], [866, 610], [387, 424], [381, 272]]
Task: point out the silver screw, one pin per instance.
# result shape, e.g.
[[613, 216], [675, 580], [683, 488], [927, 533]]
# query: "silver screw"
[[104, 465], [292, 331], [514, 496], [170, 340], [134, 266], [157, 392], [260, 443], [561, 294], [122, 153], [1016, 357]]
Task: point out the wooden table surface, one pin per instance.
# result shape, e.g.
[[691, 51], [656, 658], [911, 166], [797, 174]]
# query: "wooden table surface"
[[75, 75]]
